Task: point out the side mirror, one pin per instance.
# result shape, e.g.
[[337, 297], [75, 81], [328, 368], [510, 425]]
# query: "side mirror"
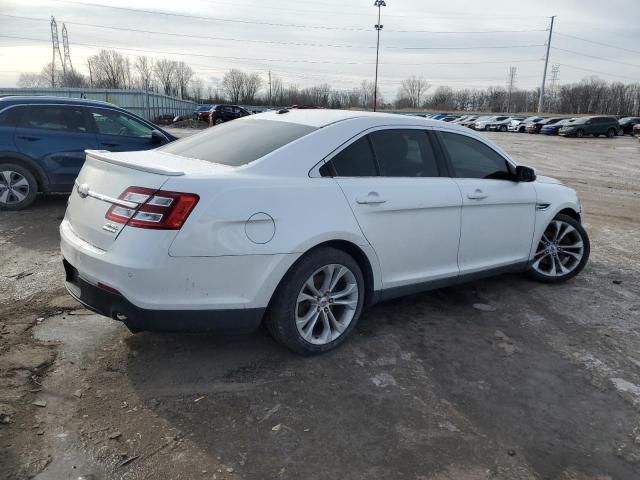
[[525, 174], [158, 137]]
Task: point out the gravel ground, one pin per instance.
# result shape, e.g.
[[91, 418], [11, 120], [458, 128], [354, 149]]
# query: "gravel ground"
[[545, 385]]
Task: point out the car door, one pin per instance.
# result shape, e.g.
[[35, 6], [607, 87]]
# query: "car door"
[[498, 213], [407, 209], [117, 131], [55, 137]]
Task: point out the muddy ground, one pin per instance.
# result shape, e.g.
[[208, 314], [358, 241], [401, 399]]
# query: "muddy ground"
[[546, 386]]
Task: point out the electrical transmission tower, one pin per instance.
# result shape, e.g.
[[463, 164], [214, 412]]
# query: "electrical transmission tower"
[[553, 86], [56, 51], [65, 45], [511, 82]]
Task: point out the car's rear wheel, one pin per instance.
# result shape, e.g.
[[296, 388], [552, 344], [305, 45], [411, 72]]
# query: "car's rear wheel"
[[580, 133], [503, 128], [611, 133], [18, 187], [318, 302], [562, 252], [521, 130]]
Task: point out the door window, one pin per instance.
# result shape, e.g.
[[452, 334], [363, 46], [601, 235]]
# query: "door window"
[[404, 153], [471, 158], [56, 117], [354, 161], [11, 116], [112, 122]]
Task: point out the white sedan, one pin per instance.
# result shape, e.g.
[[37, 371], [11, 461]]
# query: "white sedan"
[[302, 218]]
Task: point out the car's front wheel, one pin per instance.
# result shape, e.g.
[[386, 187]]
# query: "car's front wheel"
[[318, 302], [218, 121], [562, 252], [503, 128], [18, 187]]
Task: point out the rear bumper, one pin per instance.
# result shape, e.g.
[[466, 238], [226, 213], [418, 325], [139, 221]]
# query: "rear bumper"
[[117, 307]]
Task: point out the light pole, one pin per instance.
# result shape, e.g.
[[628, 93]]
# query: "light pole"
[[378, 26]]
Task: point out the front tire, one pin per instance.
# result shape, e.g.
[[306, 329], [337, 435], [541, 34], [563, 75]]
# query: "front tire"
[[562, 252], [318, 302], [580, 133], [503, 128], [18, 187], [218, 121]]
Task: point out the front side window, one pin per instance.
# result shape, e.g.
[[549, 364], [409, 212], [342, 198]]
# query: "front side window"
[[354, 161], [404, 153], [471, 158], [112, 122], [56, 117]]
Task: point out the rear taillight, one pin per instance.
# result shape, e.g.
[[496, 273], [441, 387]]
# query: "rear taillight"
[[155, 209]]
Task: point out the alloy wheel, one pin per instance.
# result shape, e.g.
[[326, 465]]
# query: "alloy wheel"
[[14, 187], [560, 250], [326, 304]]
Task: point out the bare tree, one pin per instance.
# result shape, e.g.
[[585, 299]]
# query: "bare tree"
[[183, 75], [34, 80], [109, 69], [233, 84], [252, 84], [165, 72], [197, 87], [413, 90], [144, 67]]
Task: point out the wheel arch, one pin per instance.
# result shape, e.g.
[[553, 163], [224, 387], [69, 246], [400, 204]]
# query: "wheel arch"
[[571, 213], [36, 170]]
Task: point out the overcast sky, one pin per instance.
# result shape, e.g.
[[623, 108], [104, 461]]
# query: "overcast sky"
[[334, 41]]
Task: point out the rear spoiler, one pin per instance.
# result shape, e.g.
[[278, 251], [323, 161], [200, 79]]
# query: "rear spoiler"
[[109, 157]]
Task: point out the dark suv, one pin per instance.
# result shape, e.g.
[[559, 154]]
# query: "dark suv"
[[225, 113], [43, 139], [595, 126], [627, 124]]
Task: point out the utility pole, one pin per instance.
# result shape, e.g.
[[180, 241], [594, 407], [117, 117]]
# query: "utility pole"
[[546, 64], [511, 80], [378, 26]]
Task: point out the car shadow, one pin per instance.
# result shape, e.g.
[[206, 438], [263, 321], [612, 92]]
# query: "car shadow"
[[376, 406]]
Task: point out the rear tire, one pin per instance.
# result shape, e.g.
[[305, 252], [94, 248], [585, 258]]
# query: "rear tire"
[[611, 133], [18, 187], [562, 252], [304, 295], [503, 128]]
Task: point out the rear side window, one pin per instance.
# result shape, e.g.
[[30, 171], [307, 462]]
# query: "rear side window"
[[239, 142], [404, 153], [354, 161], [56, 117], [471, 158]]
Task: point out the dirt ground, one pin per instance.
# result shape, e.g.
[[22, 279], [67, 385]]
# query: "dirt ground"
[[545, 385]]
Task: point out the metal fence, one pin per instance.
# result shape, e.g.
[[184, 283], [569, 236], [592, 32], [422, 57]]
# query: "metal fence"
[[148, 105]]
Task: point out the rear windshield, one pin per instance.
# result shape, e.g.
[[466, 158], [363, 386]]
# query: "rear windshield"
[[238, 142]]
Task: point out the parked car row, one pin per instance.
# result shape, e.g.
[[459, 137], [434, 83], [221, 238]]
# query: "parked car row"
[[570, 127]]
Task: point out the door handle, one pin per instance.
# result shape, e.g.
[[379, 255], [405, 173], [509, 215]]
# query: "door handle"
[[110, 144], [29, 139], [372, 199], [477, 195]]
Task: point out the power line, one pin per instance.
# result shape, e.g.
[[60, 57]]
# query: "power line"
[[205, 37], [596, 71], [255, 22], [327, 62], [617, 47], [594, 56]]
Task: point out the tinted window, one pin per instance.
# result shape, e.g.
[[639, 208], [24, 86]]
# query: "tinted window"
[[112, 122], [56, 117], [11, 117], [355, 161], [471, 158], [404, 153], [238, 142]]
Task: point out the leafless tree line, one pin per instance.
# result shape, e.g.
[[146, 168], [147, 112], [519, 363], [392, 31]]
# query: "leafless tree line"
[[110, 69]]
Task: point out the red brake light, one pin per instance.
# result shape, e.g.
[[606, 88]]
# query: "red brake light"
[[159, 209]]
